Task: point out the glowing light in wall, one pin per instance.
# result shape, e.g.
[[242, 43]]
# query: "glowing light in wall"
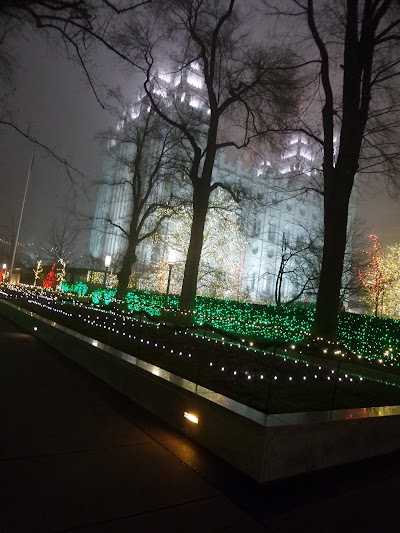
[[191, 417]]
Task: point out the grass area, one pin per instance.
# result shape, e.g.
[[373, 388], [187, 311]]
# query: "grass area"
[[273, 378]]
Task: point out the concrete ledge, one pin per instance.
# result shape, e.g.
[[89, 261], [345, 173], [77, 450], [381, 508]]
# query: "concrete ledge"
[[264, 447]]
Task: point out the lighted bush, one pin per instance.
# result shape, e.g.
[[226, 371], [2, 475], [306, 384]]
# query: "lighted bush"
[[104, 296], [150, 302], [364, 334], [267, 321], [370, 335], [79, 288]]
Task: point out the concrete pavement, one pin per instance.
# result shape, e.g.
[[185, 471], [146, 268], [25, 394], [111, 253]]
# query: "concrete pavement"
[[72, 458]]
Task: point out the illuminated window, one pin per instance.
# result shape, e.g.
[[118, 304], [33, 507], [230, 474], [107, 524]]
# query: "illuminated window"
[[195, 102], [165, 77], [133, 113], [161, 91], [305, 152], [254, 248], [195, 80], [271, 232]]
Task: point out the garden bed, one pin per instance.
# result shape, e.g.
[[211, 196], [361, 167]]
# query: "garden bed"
[[270, 380]]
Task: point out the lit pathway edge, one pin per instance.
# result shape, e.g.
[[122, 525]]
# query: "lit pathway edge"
[[282, 419]]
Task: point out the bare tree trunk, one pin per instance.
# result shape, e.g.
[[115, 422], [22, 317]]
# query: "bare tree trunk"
[[126, 269], [201, 196], [278, 284], [336, 205]]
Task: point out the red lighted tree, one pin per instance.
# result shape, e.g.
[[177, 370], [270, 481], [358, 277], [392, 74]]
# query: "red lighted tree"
[[373, 277], [50, 280]]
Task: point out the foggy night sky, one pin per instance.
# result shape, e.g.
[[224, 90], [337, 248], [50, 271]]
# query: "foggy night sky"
[[54, 93]]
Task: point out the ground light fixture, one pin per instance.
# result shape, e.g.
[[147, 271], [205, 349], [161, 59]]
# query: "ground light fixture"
[[191, 417]]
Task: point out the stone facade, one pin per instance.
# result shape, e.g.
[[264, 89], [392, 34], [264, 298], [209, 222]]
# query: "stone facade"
[[274, 216]]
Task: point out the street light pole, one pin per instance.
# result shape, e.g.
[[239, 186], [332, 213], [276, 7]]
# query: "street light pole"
[[383, 293], [21, 213], [169, 281], [171, 261], [107, 263]]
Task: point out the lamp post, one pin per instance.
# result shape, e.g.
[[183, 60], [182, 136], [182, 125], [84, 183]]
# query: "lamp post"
[[3, 274], [383, 293], [107, 263], [171, 262], [21, 213]]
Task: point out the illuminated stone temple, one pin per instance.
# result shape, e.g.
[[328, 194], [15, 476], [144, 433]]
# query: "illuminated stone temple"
[[252, 247]]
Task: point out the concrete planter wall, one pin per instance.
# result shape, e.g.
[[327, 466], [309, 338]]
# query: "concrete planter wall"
[[264, 447]]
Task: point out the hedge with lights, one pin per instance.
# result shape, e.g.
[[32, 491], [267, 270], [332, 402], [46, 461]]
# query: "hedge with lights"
[[105, 296], [79, 288], [281, 381], [373, 337], [150, 302]]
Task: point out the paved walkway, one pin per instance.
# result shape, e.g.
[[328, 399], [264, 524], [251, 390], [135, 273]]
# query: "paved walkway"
[[75, 455], [72, 457]]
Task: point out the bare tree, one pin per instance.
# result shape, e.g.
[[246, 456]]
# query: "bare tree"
[[78, 25], [236, 89], [356, 92], [146, 154], [294, 266], [223, 246], [61, 244], [300, 264]]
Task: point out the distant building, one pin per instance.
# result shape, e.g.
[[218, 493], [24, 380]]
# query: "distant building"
[[275, 218]]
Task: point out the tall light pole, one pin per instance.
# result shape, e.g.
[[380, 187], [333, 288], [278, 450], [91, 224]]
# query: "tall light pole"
[[171, 262], [383, 293], [107, 263], [22, 212]]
